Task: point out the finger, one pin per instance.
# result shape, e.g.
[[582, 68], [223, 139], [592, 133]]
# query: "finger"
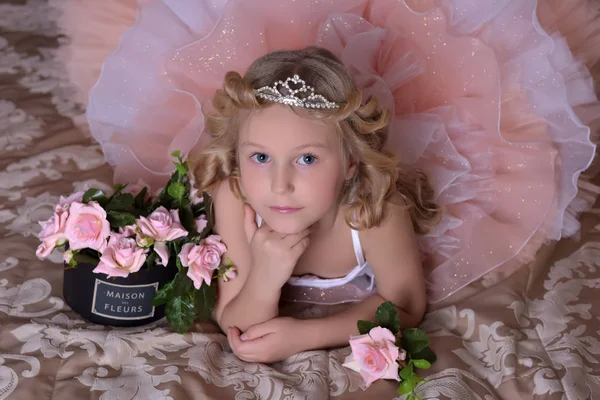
[[231, 340], [299, 247], [249, 222], [292, 240], [250, 349], [257, 331], [233, 337], [264, 227]]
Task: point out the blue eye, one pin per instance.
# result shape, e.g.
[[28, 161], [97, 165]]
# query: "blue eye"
[[307, 159], [260, 158]]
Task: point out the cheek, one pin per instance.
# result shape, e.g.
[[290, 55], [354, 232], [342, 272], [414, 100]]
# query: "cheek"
[[251, 181], [326, 184]]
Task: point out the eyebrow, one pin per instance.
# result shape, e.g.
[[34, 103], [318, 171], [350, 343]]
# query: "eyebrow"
[[319, 145]]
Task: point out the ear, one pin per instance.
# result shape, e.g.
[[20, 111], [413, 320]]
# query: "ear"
[[351, 171]]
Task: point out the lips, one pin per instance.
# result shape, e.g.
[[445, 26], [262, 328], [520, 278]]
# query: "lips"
[[285, 210]]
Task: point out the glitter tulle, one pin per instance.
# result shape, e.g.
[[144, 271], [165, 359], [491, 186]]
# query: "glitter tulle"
[[489, 103]]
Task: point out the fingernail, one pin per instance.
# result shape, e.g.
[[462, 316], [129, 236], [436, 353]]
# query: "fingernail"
[[244, 337]]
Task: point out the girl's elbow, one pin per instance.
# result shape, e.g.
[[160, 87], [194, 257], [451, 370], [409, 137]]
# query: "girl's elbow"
[[412, 311]]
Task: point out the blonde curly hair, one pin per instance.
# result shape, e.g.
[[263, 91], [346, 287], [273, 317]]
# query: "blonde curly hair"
[[363, 130]]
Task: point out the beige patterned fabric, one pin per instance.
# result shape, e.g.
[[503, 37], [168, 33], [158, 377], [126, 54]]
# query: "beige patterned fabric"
[[532, 335]]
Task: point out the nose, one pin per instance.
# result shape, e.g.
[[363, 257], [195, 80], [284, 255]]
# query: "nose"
[[282, 180]]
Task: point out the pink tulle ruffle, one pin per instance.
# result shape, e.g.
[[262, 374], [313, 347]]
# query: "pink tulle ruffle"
[[483, 100]]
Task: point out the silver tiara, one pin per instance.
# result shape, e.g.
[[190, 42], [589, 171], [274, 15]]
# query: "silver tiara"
[[281, 92]]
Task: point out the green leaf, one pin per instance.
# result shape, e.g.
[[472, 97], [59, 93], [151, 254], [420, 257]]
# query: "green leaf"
[[425, 354], [407, 372], [410, 396], [182, 284], [176, 190], [120, 219], [406, 386], [176, 153], [205, 301], [180, 314], [84, 258], [151, 259], [365, 327], [208, 210], [198, 209], [95, 195], [122, 202], [118, 187], [161, 198], [187, 216], [387, 317], [162, 295], [180, 168], [414, 340], [422, 364], [140, 199]]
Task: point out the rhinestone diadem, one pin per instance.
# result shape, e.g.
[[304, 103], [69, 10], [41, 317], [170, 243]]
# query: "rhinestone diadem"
[[294, 92]]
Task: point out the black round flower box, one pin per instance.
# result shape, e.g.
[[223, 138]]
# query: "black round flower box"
[[116, 301]]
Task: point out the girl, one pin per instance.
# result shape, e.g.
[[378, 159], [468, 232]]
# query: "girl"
[[310, 205]]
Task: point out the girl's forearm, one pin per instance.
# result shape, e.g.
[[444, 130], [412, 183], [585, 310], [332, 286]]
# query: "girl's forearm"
[[335, 330], [253, 305]]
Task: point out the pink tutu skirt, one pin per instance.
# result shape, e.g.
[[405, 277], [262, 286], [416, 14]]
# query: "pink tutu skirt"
[[492, 99]]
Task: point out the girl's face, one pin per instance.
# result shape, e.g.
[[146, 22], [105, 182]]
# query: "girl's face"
[[291, 168]]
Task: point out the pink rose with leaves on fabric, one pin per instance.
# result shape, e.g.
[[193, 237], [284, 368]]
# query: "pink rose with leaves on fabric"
[[202, 259], [121, 257], [52, 233], [161, 226], [374, 355], [87, 226]]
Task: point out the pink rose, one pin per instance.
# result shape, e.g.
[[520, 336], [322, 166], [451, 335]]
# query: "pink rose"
[[126, 231], [374, 355], [162, 225], [68, 257], [230, 274], [53, 232], [121, 257], [402, 355], [201, 223], [144, 241], [65, 202], [163, 252], [202, 259], [87, 226]]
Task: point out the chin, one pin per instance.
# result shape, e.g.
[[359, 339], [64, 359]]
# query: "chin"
[[287, 226]]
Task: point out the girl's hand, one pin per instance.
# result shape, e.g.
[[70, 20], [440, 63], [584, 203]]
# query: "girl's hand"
[[271, 341], [274, 255]]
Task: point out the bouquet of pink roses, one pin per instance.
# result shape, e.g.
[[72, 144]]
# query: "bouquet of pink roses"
[[384, 351], [131, 229]]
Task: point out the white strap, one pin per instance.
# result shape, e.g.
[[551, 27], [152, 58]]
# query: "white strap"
[[358, 251]]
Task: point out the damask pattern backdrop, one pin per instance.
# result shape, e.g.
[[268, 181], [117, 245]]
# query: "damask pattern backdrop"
[[534, 334]]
